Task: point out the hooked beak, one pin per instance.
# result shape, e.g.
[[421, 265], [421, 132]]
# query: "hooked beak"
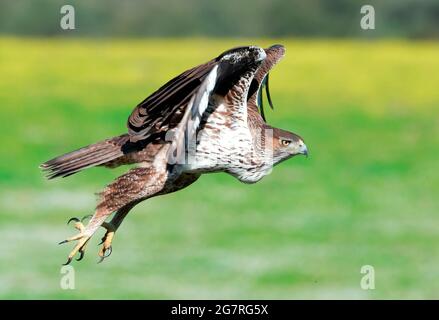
[[304, 150]]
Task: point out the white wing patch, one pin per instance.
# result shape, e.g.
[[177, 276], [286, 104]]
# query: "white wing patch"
[[184, 138], [202, 97]]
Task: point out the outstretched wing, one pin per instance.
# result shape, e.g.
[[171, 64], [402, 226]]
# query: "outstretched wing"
[[261, 79], [230, 80], [181, 103], [161, 110]]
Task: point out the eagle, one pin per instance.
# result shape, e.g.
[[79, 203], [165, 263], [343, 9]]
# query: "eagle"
[[207, 119]]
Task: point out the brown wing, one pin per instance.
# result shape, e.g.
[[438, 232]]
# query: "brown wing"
[[180, 102], [274, 55], [164, 109], [230, 78]]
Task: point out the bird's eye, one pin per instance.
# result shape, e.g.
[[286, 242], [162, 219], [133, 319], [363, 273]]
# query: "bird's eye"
[[285, 142]]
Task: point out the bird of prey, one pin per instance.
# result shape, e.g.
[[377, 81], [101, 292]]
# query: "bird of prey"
[[208, 119]]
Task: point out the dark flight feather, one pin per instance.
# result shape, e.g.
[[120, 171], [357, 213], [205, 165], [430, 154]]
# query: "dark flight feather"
[[261, 80]]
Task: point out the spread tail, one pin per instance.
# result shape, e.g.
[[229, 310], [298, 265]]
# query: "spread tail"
[[93, 155]]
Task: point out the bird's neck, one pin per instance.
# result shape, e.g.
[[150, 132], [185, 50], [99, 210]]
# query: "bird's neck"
[[261, 161]]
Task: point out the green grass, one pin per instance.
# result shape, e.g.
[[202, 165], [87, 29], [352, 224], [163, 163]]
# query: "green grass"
[[367, 195]]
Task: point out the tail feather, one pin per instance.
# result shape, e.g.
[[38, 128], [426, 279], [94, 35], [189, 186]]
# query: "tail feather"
[[93, 155]]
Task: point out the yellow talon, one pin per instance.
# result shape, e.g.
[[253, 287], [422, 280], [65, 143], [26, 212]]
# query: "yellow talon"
[[83, 238], [80, 247], [106, 242]]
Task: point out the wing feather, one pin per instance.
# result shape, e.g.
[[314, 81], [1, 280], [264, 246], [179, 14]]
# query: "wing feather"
[[180, 104], [150, 115], [261, 79], [185, 135]]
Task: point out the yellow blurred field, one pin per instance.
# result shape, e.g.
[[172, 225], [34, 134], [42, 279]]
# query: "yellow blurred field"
[[369, 112]]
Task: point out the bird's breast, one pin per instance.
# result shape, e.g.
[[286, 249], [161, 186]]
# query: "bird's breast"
[[226, 144]]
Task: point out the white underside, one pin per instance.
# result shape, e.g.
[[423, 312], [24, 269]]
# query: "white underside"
[[230, 149]]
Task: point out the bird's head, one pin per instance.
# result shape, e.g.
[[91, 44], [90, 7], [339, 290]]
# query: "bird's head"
[[286, 145]]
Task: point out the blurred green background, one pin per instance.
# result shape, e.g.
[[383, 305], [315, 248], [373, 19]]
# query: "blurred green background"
[[368, 110]]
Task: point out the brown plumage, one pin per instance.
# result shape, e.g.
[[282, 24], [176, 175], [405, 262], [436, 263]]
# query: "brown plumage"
[[208, 119]]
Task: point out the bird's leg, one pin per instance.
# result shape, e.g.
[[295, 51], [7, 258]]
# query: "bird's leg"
[[85, 233], [113, 225], [119, 196], [111, 228], [106, 241], [78, 223]]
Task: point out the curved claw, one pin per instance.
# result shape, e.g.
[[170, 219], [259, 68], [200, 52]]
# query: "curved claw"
[[103, 239], [81, 255], [109, 250], [68, 262], [64, 241], [73, 219], [82, 251], [106, 254]]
